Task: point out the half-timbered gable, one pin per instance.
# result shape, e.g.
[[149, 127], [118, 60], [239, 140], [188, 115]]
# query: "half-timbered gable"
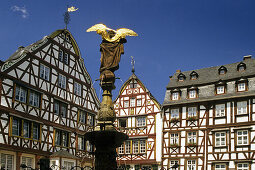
[[47, 98], [208, 118], [138, 115]]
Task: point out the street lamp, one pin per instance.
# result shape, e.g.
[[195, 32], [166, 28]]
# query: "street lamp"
[[176, 165]]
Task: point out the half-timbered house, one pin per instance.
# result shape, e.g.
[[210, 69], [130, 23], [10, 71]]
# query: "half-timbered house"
[[47, 103], [138, 115], [209, 118]]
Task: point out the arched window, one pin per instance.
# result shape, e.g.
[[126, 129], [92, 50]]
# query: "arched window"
[[181, 77], [193, 75], [222, 70], [241, 66]]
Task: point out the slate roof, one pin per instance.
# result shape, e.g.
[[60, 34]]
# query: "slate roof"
[[64, 154], [211, 74]]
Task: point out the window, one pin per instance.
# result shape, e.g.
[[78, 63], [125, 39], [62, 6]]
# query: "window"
[[68, 165], [173, 162], [89, 146], [61, 81], [191, 164], [192, 138], [135, 146], [193, 75], [174, 139], [220, 166], [63, 56], [220, 110], [60, 55], [133, 84], [242, 107], [220, 139], [28, 161], [126, 104], [241, 67], [34, 98], [140, 121], [60, 108], [192, 94], [175, 96], [220, 89], [127, 147], [81, 143], [192, 111], [142, 146], [139, 102], [44, 72], [174, 113], [24, 128], [21, 94], [132, 102], [121, 149], [66, 58], [243, 166], [7, 161], [82, 117], [123, 122], [90, 120], [242, 137], [77, 89], [181, 77], [61, 138], [222, 70], [241, 86]]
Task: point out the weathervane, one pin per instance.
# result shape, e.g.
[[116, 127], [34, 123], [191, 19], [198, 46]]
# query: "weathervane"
[[67, 15], [133, 64]]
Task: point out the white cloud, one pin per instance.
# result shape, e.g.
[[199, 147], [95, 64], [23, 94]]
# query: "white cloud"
[[23, 11]]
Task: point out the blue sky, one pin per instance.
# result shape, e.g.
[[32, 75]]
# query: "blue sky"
[[173, 34]]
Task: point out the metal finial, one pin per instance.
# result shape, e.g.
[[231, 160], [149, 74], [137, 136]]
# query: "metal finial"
[[133, 64], [66, 18]]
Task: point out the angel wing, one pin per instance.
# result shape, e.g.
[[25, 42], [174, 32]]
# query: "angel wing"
[[122, 33], [100, 27]]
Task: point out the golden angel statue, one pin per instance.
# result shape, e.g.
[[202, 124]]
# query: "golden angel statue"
[[111, 47]]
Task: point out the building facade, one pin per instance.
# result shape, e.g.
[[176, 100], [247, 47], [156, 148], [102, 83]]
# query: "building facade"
[[209, 118], [138, 115], [47, 104]]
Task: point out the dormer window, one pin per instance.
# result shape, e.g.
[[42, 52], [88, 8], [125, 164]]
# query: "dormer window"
[[222, 70], [181, 77], [175, 96], [241, 85], [220, 87], [241, 67], [192, 92], [193, 75]]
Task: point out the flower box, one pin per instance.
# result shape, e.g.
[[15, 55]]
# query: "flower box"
[[192, 118], [174, 120], [192, 145], [175, 145]]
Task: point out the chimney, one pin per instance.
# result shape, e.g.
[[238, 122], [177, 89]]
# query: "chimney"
[[247, 57], [178, 71]]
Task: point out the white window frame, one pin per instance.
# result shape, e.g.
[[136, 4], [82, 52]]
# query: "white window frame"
[[135, 147], [5, 158], [90, 119], [77, 89], [82, 117], [175, 96], [44, 72], [174, 138], [221, 166], [220, 110], [242, 166], [192, 111], [141, 121], [173, 162], [191, 165], [220, 139], [126, 103], [34, 98], [21, 94], [192, 94], [127, 147], [62, 81], [242, 137], [142, 146], [241, 107], [139, 102], [28, 161], [26, 129], [175, 113], [68, 165], [192, 137], [132, 102], [121, 149], [220, 89], [241, 86], [81, 142]]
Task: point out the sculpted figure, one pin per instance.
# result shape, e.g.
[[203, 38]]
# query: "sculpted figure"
[[111, 48]]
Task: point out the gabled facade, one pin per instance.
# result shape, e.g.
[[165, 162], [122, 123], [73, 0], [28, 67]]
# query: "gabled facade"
[[209, 119], [138, 115], [47, 103]]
